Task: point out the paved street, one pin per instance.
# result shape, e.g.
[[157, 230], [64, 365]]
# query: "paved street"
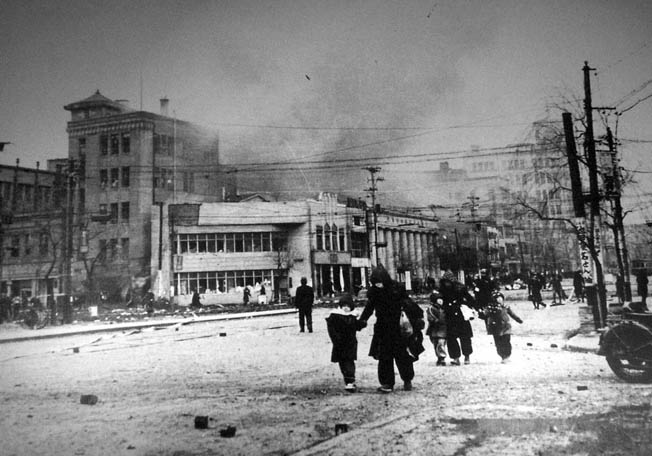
[[280, 391]]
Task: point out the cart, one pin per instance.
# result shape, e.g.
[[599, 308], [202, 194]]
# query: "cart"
[[627, 346]]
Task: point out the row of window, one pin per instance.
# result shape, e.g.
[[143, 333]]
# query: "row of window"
[[330, 238], [165, 178], [113, 209], [227, 242], [115, 143], [112, 250], [24, 244], [116, 177], [220, 281], [28, 196]]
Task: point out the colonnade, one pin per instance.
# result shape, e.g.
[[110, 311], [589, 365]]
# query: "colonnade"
[[415, 251]]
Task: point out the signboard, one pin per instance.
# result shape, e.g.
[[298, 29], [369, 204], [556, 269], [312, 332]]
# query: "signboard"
[[585, 255]]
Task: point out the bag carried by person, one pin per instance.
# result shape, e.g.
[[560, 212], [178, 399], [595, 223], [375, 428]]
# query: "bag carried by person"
[[406, 326], [467, 312]]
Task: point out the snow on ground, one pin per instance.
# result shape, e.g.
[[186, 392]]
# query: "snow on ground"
[[280, 391]]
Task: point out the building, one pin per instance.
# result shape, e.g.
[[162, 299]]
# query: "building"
[[32, 209], [219, 248], [124, 161]]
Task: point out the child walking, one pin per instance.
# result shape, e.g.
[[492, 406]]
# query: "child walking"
[[342, 324], [496, 316], [437, 327]]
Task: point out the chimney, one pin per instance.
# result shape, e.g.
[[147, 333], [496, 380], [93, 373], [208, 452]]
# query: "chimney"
[[164, 106]]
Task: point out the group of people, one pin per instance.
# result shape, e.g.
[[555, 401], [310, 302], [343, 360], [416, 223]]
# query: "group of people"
[[397, 338]]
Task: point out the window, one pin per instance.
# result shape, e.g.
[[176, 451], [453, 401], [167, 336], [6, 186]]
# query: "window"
[[342, 236], [115, 144], [28, 245], [124, 212], [126, 143], [115, 177], [113, 250], [104, 144], [104, 178], [124, 244], [125, 176], [81, 147], [114, 213], [15, 246], [43, 244], [320, 237], [102, 251], [327, 237]]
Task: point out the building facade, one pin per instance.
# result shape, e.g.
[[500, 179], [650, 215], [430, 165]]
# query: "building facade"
[[32, 209], [219, 248], [124, 162]]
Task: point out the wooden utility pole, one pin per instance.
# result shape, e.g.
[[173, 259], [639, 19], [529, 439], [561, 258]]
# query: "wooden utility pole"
[[619, 237], [373, 189], [594, 197]]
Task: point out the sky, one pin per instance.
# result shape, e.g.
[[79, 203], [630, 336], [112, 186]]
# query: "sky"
[[298, 81]]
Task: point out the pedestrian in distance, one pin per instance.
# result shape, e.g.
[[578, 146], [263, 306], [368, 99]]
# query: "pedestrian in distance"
[[437, 327], [535, 284], [557, 290], [641, 286], [388, 346], [303, 300], [195, 303], [458, 329], [342, 324], [497, 320], [246, 295], [578, 286]]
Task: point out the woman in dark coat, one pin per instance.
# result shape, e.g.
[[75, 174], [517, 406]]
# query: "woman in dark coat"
[[454, 294], [387, 344]]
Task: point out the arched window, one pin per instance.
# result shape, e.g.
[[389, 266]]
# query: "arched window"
[[327, 237], [320, 237]]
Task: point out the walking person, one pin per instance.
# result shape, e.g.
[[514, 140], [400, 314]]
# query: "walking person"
[[496, 317], [534, 289], [485, 286], [578, 286], [437, 327], [641, 286], [246, 295], [557, 290], [387, 344], [342, 324], [458, 329], [304, 299]]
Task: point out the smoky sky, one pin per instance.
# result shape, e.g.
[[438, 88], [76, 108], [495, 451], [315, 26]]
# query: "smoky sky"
[[302, 81]]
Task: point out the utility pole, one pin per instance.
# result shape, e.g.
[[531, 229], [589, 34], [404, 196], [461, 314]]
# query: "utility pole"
[[68, 240], [373, 189], [594, 238], [618, 217]]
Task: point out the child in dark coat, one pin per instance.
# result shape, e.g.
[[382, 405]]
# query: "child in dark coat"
[[342, 324], [496, 316], [437, 327]]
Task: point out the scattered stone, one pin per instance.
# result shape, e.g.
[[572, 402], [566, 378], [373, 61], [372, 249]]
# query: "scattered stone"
[[341, 428], [529, 344], [131, 447], [75, 349], [582, 387], [201, 422], [222, 334], [553, 345], [88, 399], [560, 392], [228, 431], [554, 428]]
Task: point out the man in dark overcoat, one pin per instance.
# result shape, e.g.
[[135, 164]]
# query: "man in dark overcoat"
[[303, 300], [454, 294]]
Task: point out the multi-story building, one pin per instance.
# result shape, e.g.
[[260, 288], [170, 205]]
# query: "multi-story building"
[[219, 248], [124, 162], [32, 209]]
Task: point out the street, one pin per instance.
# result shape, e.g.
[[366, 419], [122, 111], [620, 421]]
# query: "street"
[[283, 395]]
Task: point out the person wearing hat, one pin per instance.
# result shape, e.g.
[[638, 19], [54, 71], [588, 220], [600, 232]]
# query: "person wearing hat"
[[342, 324], [458, 329], [496, 316], [388, 346]]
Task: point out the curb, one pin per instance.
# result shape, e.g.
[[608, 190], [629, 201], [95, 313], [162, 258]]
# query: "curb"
[[149, 324]]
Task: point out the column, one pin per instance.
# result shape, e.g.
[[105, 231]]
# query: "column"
[[382, 251], [419, 252], [412, 253], [391, 264]]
